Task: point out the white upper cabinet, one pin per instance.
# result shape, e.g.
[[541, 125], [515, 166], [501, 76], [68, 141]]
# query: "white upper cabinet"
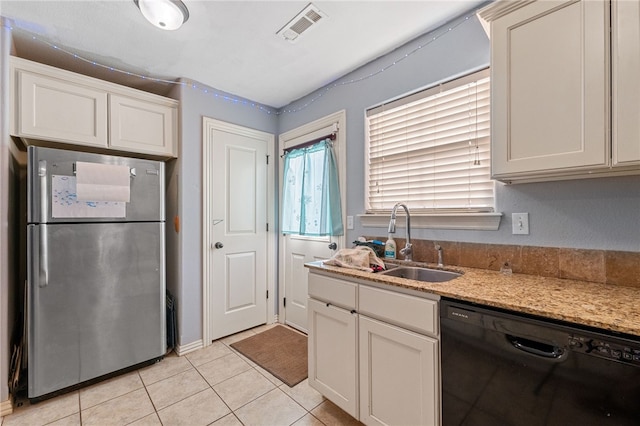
[[141, 126], [551, 65], [50, 106], [625, 16]]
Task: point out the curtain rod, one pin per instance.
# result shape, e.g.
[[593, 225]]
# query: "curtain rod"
[[331, 136]]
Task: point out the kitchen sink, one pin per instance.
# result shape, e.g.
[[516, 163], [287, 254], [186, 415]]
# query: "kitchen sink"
[[421, 274]]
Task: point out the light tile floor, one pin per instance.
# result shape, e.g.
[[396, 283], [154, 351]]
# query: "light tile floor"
[[212, 386]]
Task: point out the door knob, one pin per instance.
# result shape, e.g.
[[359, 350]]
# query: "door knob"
[[218, 245], [333, 246]]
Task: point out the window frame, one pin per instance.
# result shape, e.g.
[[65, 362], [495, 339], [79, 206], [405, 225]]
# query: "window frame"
[[457, 218]]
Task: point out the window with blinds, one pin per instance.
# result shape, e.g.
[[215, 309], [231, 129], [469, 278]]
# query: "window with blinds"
[[430, 149]]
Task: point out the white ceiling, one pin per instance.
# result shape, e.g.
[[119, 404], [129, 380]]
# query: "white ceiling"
[[231, 46]]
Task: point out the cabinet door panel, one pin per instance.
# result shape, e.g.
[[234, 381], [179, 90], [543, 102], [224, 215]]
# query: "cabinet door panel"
[[332, 354], [626, 84], [399, 376], [54, 110], [140, 126], [550, 88]]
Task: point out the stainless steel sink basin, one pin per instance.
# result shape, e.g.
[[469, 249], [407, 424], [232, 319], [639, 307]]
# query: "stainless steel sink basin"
[[421, 274]]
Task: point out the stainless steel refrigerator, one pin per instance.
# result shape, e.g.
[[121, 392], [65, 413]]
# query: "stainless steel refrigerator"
[[95, 266]]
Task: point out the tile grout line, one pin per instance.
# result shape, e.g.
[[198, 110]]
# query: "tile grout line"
[[151, 399], [275, 387], [214, 391]]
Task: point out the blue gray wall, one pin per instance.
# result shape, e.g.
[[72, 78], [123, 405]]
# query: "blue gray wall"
[[6, 308], [184, 189], [602, 213]]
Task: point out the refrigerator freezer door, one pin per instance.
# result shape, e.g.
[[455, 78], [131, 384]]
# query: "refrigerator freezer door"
[[146, 186], [95, 301]]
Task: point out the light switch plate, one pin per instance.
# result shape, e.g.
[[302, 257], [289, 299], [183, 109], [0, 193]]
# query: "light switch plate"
[[520, 223], [349, 222]]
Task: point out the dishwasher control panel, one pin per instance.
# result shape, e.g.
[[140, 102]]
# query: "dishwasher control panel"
[[612, 350]]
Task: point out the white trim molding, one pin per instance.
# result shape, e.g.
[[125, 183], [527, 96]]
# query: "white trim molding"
[[466, 221], [190, 347], [6, 408]]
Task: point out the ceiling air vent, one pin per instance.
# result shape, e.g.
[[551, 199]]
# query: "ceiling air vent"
[[309, 17]]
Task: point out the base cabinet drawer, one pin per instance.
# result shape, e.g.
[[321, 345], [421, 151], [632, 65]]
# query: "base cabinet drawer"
[[410, 312]]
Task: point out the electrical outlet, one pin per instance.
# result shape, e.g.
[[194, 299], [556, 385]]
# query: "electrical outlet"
[[349, 222], [520, 223]]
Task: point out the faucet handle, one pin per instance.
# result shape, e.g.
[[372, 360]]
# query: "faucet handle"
[[407, 251]]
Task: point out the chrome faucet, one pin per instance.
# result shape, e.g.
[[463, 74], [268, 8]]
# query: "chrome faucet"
[[439, 250], [407, 250]]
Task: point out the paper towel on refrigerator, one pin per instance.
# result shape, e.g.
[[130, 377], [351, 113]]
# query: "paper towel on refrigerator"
[[102, 182]]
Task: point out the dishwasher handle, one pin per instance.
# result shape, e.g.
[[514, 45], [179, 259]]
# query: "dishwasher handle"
[[537, 348]]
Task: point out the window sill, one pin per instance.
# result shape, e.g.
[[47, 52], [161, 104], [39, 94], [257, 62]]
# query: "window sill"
[[466, 221]]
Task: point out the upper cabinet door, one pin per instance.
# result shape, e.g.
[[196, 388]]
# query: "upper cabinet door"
[[141, 126], [626, 83], [52, 109], [550, 89]]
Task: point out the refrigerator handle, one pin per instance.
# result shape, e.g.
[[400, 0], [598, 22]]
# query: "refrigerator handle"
[[42, 174], [44, 257], [44, 248]]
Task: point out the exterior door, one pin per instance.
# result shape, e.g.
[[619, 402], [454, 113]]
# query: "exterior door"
[[296, 250], [237, 253]]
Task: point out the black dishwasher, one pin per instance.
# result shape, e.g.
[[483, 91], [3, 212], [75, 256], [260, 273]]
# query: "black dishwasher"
[[504, 368]]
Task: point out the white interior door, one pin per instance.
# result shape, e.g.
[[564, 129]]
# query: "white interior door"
[[237, 253], [296, 250]]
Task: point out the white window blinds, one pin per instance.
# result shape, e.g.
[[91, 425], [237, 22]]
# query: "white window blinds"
[[430, 149]]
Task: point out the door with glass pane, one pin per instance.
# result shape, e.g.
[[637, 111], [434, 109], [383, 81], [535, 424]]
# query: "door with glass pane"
[[296, 249]]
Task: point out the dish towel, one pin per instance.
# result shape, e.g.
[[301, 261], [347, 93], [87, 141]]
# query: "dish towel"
[[360, 258]]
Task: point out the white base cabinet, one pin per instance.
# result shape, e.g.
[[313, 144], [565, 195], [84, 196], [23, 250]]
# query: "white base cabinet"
[[374, 352], [399, 381], [332, 354]]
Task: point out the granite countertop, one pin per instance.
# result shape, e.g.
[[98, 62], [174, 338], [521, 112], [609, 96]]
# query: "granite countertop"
[[609, 307]]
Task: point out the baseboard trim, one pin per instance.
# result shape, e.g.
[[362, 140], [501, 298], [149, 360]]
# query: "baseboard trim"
[[185, 349], [6, 408]]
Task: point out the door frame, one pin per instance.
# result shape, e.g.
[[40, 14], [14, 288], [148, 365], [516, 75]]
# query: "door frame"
[[340, 119], [208, 126]]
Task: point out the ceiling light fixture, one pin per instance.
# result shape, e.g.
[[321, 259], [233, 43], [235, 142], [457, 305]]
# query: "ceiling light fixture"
[[164, 14]]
